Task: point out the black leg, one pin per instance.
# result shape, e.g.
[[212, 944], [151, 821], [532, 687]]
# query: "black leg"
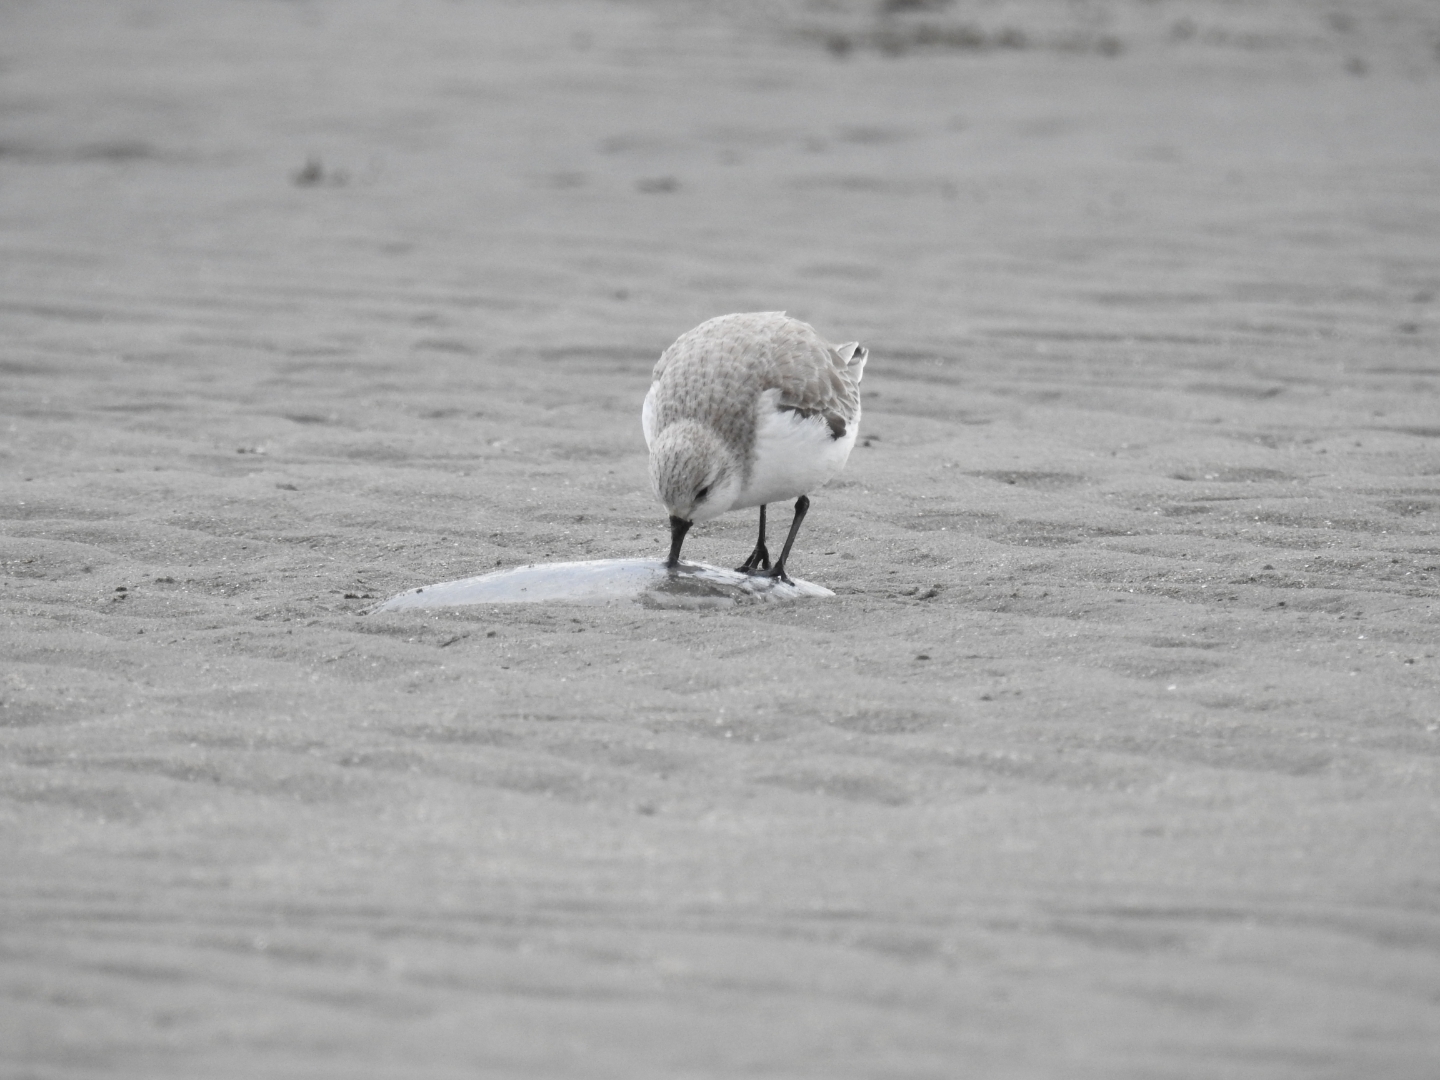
[[759, 558], [802, 504]]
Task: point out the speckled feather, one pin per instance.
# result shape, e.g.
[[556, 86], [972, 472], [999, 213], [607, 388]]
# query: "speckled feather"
[[716, 372]]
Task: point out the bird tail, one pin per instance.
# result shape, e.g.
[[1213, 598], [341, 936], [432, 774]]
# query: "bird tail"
[[853, 356]]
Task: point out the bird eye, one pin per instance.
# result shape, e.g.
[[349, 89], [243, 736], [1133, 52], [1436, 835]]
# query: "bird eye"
[[702, 493]]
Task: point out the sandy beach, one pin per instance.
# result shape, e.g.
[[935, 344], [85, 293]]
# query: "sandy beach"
[[1115, 755]]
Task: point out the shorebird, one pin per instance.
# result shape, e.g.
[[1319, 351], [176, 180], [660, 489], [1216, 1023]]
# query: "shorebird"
[[746, 410]]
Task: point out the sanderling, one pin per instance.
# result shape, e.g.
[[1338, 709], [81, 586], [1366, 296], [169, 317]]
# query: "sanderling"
[[745, 410]]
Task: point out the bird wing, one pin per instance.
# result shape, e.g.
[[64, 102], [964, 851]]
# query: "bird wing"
[[732, 356], [815, 379]]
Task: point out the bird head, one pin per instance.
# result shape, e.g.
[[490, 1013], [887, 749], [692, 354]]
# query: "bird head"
[[693, 472]]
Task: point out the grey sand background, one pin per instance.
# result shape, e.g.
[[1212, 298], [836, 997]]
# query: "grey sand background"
[[1114, 756]]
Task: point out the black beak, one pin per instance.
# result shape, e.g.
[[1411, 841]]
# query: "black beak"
[[678, 528]]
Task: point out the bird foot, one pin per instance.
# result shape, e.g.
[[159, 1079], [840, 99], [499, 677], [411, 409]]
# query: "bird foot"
[[758, 562], [778, 574]]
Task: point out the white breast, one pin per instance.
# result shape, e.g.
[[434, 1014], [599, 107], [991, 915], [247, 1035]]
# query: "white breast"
[[793, 454], [647, 416]]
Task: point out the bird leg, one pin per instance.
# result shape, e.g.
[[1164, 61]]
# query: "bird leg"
[[678, 528], [759, 558], [802, 504]]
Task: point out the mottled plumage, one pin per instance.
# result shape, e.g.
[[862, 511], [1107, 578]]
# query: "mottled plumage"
[[745, 410]]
